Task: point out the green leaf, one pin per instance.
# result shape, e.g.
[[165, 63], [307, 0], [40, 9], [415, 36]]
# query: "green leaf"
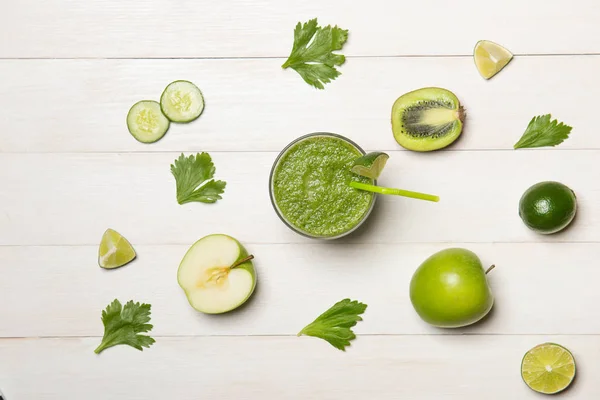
[[207, 193], [190, 173], [122, 325], [312, 53], [317, 74], [334, 324], [542, 132]]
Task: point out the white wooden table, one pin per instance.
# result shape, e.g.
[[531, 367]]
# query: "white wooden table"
[[70, 70]]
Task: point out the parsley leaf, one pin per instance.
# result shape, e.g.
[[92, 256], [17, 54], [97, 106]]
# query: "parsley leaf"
[[191, 172], [122, 325], [541, 132], [334, 324], [312, 55]]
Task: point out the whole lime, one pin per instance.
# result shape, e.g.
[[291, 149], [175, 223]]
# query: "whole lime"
[[548, 207]]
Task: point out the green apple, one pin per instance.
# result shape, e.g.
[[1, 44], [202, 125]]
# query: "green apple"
[[450, 289], [217, 274]]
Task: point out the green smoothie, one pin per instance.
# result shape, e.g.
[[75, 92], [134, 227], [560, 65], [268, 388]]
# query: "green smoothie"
[[309, 186]]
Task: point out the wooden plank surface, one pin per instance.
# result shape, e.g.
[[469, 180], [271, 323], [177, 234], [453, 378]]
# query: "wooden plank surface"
[[264, 28], [57, 199], [297, 283], [414, 367], [70, 70], [254, 105]]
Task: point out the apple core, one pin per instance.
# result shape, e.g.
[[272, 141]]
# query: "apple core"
[[217, 274]]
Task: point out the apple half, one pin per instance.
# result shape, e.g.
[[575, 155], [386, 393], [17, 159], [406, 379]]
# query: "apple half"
[[217, 274]]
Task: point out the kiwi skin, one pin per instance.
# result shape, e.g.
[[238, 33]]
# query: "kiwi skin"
[[426, 137]]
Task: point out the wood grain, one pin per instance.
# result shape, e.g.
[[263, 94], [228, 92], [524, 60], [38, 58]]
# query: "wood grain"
[[253, 105], [259, 28], [69, 72], [393, 367], [71, 199], [60, 291]]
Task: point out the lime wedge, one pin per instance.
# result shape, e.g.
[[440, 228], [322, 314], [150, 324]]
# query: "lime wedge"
[[370, 165], [115, 251], [548, 368], [490, 58]]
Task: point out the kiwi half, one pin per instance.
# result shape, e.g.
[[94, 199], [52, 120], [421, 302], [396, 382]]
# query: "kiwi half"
[[427, 119]]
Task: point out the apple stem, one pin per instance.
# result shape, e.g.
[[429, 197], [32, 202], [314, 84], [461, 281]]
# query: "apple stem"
[[242, 261], [490, 269]]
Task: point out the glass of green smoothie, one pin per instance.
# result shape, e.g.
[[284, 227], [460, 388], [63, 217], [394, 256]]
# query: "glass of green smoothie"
[[309, 186]]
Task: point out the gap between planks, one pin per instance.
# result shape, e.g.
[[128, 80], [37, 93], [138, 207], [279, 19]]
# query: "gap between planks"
[[78, 337], [285, 57], [318, 242], [396, 150]]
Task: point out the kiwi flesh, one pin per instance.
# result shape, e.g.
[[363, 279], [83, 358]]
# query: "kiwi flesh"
[[427, 119]]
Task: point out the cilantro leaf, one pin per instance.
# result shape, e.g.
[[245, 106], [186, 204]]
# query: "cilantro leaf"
[[208, 193], [334, 324], [191, 172], [542, 132], [122, 325], [312, 54]]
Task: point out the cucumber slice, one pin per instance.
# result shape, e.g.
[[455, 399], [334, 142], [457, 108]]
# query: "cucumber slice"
[[146, 122], [182, 101]]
